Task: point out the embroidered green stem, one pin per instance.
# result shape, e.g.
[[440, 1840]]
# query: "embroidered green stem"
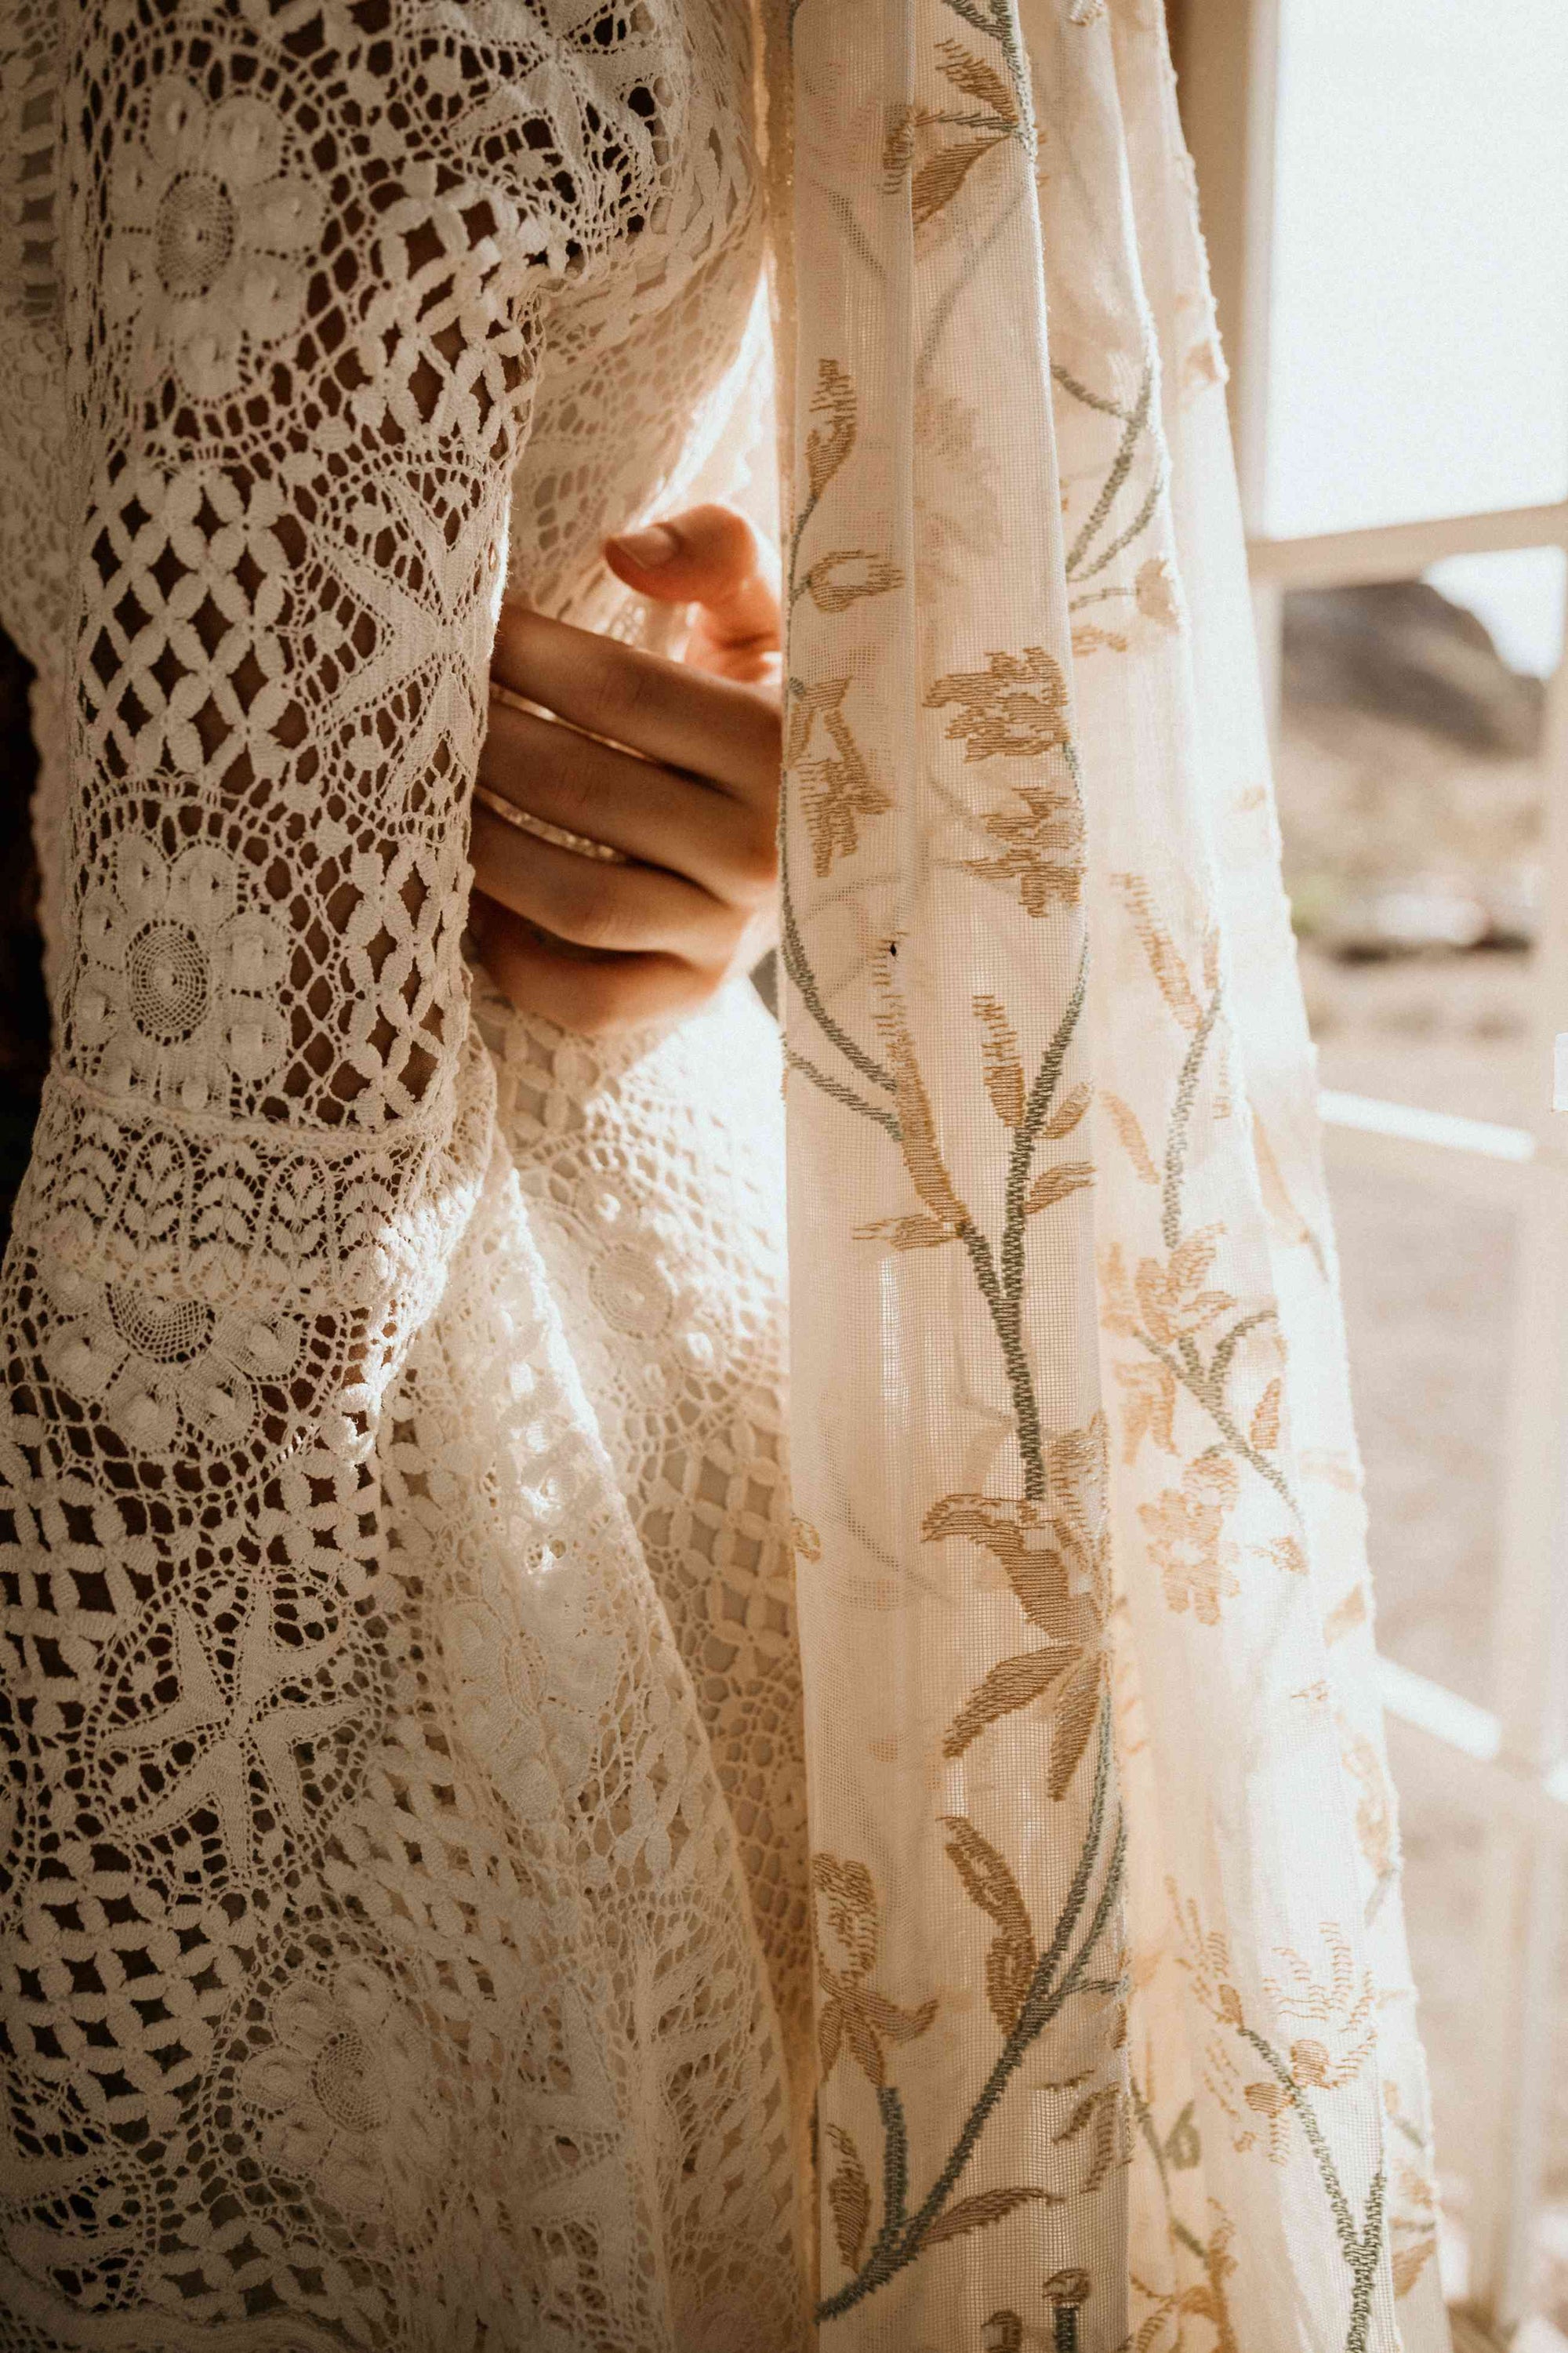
[[1360, 2249], [1120, 467], [798, 967], [1100, 400], [996, 20], [1046, 1993], [795, 1061], [1006, 1298], [1197, 1378], [1124, 539], [1180, 1117], [1036, 1109]]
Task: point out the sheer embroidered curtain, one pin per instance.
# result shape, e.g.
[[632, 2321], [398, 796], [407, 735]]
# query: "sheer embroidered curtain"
[[1115, 2025]]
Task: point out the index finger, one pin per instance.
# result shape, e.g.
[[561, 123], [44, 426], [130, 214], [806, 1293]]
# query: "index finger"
[[717, 731]]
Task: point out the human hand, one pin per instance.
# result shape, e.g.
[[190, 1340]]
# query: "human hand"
[[682, 800]]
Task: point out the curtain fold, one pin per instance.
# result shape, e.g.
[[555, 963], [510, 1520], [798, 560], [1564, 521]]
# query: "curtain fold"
[[1115, 2027]]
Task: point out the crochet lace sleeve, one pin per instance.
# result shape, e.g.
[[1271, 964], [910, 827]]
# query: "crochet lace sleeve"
[[308, 249]]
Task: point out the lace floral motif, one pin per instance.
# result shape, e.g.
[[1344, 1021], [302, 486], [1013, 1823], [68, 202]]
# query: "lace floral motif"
[[209, 239], [158, 1366], [179, 988], [344, 2091]]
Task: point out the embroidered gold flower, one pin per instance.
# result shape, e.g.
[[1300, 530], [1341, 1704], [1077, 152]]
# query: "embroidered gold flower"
[[1187, 1542], [1154, 593], [1169, 1299], [1014, 709], [1339, 2004], [1042, 849], [852, 2015]]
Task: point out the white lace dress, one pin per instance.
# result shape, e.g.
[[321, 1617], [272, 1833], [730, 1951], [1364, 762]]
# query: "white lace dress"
[[403, 1914]]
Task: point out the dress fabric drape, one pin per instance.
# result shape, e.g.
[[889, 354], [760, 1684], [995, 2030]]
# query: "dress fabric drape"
[[407, 1915]]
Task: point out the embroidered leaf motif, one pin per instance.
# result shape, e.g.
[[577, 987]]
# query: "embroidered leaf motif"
[[805, 1539], [976, 79], [1012, 1959], [1008, 1687], [1125, 1119], [1078, 1706], [899, 146], [986, 2206], [1285, 1216], [1211, 958], [1375, 1811], [911, 1232], [1097, 2117], [1265, 1431], [850, 1895], [1409, 2263], [1053, 1185], [937, 182], [1003, 1063], [916, 1122], [1346, 1615], [1164, 962], [828, 445], [1038, 1571], [1183, 2149], [839, 580], [1068, 1113], [1148, 1406], [848, 2198], [838, 788]]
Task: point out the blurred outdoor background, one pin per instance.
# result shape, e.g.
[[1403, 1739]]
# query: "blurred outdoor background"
[[1383, 194]]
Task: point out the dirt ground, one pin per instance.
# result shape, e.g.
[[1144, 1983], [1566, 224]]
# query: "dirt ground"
[[1410, 805]]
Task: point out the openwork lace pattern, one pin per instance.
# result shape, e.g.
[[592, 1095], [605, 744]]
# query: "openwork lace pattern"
[[402, 1919]]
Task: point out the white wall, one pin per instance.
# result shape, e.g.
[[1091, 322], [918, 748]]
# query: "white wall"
[[1420, 300]]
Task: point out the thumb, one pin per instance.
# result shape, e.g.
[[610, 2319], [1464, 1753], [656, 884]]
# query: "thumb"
[[710, 556]]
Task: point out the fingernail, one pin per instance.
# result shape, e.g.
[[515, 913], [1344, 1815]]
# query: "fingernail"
[[647, 549]]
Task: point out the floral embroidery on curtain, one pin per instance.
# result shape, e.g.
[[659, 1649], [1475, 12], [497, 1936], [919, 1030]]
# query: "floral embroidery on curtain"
[[1115, 2026]]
